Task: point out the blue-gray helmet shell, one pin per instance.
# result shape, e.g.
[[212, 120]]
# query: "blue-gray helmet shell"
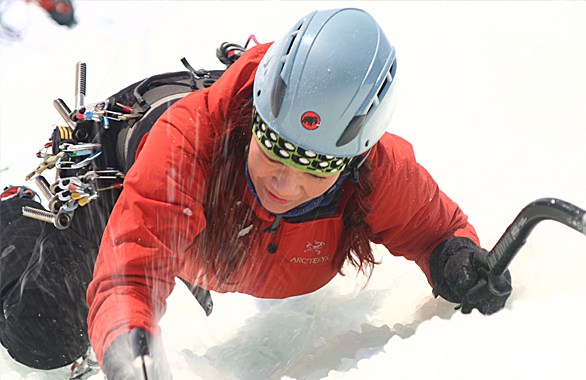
[[328, 85]]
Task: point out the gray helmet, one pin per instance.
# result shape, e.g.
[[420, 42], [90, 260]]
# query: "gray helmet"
[[326, 87]]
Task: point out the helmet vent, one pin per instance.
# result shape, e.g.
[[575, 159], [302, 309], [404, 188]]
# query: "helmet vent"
[[384, 88], [293, 37], [278, 91], [386, 84], [358, 122]]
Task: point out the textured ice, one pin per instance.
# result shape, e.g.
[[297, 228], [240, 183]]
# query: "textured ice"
[[495, 110]]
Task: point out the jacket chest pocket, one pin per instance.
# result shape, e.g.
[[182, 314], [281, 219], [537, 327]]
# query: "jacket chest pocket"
[[304, 260], [312, 243]]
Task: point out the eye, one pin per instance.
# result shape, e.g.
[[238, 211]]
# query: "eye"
[[317, 177], [270, 159]]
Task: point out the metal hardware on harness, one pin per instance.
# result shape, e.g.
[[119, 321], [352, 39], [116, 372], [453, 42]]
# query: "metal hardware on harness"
[[65, 183], [60, 136], [69, 165], [35, 213], [76, 150], [106, 174], [64, 111], [69, 206], [49, 162], [99, 112], [61, 220], [66, 189], [44, 187], [80, 80], [69, 152]]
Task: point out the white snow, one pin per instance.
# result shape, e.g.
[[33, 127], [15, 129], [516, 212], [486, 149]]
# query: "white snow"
[[492, 97]]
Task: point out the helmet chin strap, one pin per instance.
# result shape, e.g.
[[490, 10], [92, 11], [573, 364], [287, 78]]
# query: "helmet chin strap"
[[356, 164]]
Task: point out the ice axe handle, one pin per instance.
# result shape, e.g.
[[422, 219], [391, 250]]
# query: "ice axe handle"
[[516, 234]]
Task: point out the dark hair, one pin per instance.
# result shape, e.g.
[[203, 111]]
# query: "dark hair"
[[220, 246], [355, 243]]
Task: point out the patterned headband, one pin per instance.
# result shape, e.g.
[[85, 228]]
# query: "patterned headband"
[[293, 155]]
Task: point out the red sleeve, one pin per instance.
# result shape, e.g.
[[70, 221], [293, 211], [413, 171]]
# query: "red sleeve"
[[157, 216], [410, 214], [160, 210]]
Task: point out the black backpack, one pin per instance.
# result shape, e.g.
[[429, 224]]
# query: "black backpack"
[[150, 98], [94, 151]]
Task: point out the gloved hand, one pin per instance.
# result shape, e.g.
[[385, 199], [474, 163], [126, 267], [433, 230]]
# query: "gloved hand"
[[136, 355], [459, 273]]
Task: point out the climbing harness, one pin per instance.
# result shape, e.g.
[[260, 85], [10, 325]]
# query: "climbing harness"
[[95, 148]]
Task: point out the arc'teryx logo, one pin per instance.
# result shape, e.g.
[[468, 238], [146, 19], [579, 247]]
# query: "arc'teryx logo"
[[313, 249]]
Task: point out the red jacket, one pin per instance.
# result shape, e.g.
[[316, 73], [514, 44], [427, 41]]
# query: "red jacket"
[[160, 212]]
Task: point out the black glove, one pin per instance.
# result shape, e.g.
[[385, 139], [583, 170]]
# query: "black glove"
[[460, 274], [136, 355]]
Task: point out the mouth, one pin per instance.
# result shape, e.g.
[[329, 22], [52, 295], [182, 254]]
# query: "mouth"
[[276, 199]]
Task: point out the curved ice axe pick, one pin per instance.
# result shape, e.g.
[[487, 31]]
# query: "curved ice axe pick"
[[516, 234]]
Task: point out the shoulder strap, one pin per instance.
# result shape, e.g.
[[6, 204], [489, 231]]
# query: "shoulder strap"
[[149, 98]]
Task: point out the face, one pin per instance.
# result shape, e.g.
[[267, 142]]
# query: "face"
[[279, 187]]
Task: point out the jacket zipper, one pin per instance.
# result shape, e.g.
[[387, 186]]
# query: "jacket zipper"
[[273, 230]]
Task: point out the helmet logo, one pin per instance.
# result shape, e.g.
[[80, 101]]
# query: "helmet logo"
[[310, 120]]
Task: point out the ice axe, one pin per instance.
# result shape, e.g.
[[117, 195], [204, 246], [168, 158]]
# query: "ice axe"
[[504, 251]]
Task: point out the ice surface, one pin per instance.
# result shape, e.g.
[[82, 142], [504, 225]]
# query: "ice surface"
[[492, 97]]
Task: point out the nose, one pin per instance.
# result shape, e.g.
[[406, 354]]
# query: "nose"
[[286, 182]]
